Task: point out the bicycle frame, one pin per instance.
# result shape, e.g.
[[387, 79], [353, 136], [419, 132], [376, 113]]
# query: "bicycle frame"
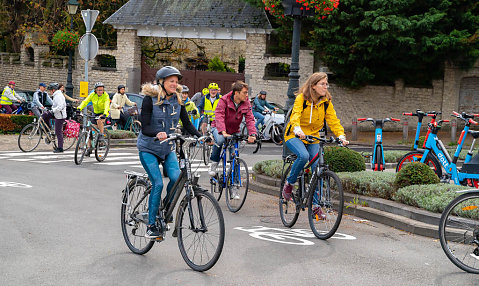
[[434, 144], [420, 115], [234, 156]]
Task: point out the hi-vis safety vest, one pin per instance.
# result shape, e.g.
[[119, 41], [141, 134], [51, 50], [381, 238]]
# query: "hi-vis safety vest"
[[5, 100], [210, 108]]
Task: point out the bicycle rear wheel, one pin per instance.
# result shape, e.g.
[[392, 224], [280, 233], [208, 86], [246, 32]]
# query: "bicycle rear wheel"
[[325, 205], [288, 211], [416, 156], [237, 182], [81, 148], [134, 216], [377, 164], [459, 232], [102, 146], [29, 137], [201, 231], [68, 142]]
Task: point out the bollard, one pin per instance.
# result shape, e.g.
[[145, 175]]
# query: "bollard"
[[453, 130], [405, 127], [355, 130]]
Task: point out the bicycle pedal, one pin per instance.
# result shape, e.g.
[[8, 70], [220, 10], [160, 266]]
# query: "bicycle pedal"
[[158, 239]]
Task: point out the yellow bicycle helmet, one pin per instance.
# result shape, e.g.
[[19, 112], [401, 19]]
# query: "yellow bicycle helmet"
[[205, 91], [213, 85]]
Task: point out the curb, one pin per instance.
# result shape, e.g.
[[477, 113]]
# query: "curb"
[[115, 143], [397, 215]]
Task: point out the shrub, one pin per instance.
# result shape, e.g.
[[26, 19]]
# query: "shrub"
[[432, 197], [393, 156], [415, 173], [14, 123], [65, 40], [344, 160], [121, 134], [216, 64], [373, 184], [271, 168]]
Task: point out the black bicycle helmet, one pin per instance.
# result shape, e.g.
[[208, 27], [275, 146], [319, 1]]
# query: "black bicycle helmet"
[[167, 71], [53, 86], [120, 87], [262, 92], [99, 84]]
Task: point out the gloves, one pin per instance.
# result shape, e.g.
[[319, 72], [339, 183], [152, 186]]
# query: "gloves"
[[103, 116], [193, 112]]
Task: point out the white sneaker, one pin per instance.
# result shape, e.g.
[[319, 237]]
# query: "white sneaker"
[[234, 193], [212, 170]]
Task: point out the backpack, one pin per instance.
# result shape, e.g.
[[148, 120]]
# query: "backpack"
[[71, 129], [286, 150]]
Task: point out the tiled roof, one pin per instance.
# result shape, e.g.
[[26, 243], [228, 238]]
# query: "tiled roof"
[[190, 13]]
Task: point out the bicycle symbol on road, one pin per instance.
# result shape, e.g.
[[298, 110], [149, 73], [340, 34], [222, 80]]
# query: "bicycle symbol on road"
[[287, 236], [14, 185]]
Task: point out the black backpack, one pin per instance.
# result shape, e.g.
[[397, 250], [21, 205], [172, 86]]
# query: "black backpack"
[[286, 150]]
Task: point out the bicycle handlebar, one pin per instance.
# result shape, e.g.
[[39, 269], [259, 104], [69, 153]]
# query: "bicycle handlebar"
[[311, 139], [466, 117], [383, 120]]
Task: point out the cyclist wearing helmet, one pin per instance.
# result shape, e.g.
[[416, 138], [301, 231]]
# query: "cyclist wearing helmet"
[[116, 108], [190, 108], [261, 105], [161, 110], [101, 107], [8, 97], [208, 105], [59, 112], [198, 97]]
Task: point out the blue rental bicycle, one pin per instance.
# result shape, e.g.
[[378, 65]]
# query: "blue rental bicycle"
[[377, 155], [235, 179], [468, 174], [431, 161]]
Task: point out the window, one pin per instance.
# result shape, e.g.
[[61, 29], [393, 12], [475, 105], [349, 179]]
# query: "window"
[[277, 71]]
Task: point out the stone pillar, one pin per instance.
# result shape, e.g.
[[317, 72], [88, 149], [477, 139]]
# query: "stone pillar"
[[399, 88], [452, 84], [128, 60], [306, 63], [254, 59]]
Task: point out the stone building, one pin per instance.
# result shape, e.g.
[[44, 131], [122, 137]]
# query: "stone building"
[[230, 29]]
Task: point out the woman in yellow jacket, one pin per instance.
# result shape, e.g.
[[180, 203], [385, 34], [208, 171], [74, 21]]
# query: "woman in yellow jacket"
[[308, 119]]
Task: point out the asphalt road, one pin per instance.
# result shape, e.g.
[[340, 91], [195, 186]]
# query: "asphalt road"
[[65, 230]]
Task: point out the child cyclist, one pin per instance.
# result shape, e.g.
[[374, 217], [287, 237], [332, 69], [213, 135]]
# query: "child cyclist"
[[307, 118]]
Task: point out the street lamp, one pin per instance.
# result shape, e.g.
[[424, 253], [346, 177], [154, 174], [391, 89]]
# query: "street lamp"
[[297, 11], [72, 10]]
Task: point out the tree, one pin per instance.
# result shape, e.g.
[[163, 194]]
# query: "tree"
[[380, 41]]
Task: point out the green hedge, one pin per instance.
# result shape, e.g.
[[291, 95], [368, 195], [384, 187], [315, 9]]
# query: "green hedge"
[[270, 168], [14, 123], [372, 184], [121, 134]]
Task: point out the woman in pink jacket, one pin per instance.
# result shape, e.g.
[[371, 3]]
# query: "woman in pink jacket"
[[230, 111]]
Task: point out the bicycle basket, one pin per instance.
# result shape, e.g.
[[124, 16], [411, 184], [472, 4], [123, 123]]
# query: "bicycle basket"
[[133, 111]]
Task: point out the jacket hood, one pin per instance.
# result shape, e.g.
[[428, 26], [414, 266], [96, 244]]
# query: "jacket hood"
[[150, 90]]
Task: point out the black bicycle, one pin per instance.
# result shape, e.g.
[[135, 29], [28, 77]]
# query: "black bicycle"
[[199, 224], [459, 231], [320, 191]]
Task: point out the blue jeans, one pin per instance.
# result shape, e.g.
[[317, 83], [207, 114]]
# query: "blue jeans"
[[151, 165], [259, 119], [219, 140], [304, 153]]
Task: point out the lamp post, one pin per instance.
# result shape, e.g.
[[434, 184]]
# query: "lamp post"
[[297, 11], [72, 10]]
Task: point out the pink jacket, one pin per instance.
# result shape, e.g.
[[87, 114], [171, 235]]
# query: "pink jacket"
[[228, 119]]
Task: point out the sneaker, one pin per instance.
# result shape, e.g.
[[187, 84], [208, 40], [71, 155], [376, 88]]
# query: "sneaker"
[[318, 213], [58, 150], [88, 152], [212, 170], [234, 193], [152, 232], [288, 191]]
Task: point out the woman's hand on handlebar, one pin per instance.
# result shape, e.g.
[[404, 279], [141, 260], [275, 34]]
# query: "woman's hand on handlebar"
[[161, 136], [300, 135], [343, 140]]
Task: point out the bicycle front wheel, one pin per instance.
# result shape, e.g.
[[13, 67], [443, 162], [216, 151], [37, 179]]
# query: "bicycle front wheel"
[[288, 211], [102, 146], [29, 137], [237, 182], [459, 232], [201, 231], [134, 216], [206, 152], [81, 148], [416, 156], [217, 187], [325, 205], [135, 127], [277, 134]]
